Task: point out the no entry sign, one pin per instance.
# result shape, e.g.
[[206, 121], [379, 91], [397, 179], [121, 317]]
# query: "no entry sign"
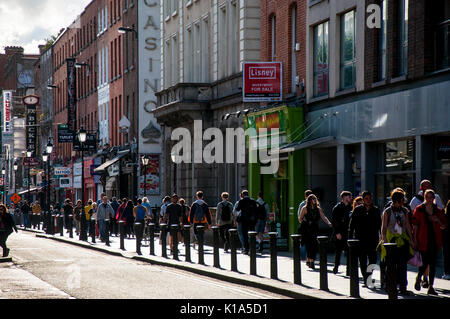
[[262, 82]]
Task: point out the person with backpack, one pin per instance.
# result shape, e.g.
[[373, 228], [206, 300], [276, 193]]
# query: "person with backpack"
[[199, 215], [224, 219], [395, 228], [238, 223], [248, 208], [262, 214], [173, 216]]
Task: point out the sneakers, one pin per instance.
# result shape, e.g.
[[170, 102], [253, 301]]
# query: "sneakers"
[[446, 277], [431, 291]]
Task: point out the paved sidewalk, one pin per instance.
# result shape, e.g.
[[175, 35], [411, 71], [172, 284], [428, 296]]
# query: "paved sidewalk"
[[339, 285]]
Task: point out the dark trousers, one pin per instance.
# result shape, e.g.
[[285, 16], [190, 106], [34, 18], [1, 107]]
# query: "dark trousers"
[[196, 230], [246, 227], [225, 235], [428, 259], [3, 238], [401, 264], [113, 229], [365, 254], [340, 246]]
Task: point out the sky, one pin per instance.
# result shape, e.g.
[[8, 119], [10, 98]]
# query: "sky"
[[27, 23]]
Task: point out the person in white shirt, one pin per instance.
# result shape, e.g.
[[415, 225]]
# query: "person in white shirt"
[[419, 199]]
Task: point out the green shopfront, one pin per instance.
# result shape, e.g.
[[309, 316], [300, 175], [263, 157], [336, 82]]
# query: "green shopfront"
[[283, 191]]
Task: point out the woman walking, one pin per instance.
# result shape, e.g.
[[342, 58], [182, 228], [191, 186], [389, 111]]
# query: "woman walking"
[[6, 228], [429, 221], [309, 220], [127, 215]]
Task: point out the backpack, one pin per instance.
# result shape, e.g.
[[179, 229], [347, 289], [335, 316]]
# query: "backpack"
[[261, 211], [226, 212], [200, 214]]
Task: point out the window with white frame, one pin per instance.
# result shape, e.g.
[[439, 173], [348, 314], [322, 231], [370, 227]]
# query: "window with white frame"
[[222, 40], [174, 75], [188, 55], [196, 54], [348, 50], [205, 50], [167, 64], [293, 48], [234, 37]]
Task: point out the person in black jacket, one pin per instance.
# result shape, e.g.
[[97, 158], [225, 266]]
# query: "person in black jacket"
[[340, 220], [365, 225], [6, 228], [247, 206]]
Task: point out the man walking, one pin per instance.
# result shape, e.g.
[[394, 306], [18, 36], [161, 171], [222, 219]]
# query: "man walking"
[[25, 213], [113, 229], [36, 209], [262, 216], [104, 210], [248, 207], [68, 210], [340, 220], [224, 219], [365, 225], [238, 222], [200, 214], [173, 216], [419, 198]]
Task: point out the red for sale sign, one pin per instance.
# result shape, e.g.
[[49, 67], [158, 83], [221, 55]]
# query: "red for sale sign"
[[262, 81]]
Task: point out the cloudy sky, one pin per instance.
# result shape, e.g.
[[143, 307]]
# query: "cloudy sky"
[[28, 23]]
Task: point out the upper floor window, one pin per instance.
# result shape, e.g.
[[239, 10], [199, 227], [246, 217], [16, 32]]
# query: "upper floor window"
[[441, 12], [273, 37], [321, 62], [348, 50], [382, 42], [402, 45]]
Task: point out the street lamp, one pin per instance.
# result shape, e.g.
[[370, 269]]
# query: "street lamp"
[[145, 161], [82, 136], [49, 147]]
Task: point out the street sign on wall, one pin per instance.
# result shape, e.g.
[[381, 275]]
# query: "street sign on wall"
[[64, 135], [62, 171], [262, 82]]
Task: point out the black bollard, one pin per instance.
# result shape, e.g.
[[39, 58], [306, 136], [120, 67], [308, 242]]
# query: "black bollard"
[[323, 262], [122, 234], [71, 226], [187, 242], [201, 252], [92, 228], [252, 236], [216, 246], [273, 255], [83, 235], [151, 228], [353, 246], [61, 228], [52, 224], [233, 241], [297, 263], [107, 232], [138, 231], [391, 278], [38, 221], [174, 231], [163, 235]]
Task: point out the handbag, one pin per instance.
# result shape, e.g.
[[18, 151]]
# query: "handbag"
[[416, 260]]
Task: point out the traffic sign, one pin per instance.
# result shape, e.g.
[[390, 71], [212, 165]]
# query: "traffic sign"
[[15, 198]]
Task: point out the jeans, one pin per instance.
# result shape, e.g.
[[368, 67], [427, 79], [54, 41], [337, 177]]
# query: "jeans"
[[101, 228], [225, 235], [241, 235], [428, 259], [26, 220], [365, 254]]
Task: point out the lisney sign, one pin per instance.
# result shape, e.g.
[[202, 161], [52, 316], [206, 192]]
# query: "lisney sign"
[[262, 82]]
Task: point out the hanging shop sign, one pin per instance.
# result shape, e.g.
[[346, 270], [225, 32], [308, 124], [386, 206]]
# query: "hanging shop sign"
[[262, 82]]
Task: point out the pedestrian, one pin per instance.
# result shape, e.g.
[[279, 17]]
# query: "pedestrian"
[[127, 215], [395, 228], [104, 212], [365, 225], [139, 212], [147, 205], [446, 244], [174, 216], [25, 213], [56, 212], [87, 212], [100, 199], [303, 203], [199, 215], [185, 210], [77, 216], [340, 219], [429, 221], [248, 217], [68, 210], [224, 219], [309, 225], [356, 202], [113, 227], [36, 210], [238, 223], [165, 203], [6, 228], [262, 214]]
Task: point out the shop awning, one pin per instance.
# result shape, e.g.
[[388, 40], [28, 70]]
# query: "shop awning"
[[321, 141], [108, 163]]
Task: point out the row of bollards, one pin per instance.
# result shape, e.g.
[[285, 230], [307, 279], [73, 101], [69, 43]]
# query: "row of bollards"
[[353, 251]]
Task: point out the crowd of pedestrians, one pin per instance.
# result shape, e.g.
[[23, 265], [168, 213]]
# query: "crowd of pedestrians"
[[418, 227]]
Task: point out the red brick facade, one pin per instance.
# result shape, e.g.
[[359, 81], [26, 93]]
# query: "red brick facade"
[[282, 11]]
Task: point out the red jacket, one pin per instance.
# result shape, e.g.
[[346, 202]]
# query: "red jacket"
[[419, 219]]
